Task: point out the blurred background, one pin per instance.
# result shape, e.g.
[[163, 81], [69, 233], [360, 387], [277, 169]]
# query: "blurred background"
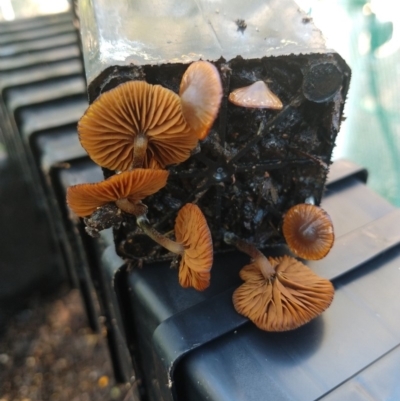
[[367, 35], [48, 351], [16, 9]]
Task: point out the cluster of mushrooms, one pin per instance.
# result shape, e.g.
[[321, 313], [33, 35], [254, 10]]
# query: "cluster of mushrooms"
[[138, 130]]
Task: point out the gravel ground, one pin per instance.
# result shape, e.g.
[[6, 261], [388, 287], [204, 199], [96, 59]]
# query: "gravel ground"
[[49, 353]]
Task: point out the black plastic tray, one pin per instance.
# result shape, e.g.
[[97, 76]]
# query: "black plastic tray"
[[89, 252], [193, 346]]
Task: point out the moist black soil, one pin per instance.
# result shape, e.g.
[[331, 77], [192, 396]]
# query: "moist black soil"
[[256, 163]]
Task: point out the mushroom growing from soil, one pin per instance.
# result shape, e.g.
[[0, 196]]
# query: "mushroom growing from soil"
[[193, 244], [201, 94], [126, 190], [256, 95], [135, 123], [278, 294], [308, 231]]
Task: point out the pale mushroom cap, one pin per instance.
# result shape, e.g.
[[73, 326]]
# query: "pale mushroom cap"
[[108, 128], [293, 297], [201, 94], [191, 230], [308, 231], [256, 95], [134, 185]]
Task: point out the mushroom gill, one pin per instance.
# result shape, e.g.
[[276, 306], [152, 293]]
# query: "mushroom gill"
[[256, 95], [193, 243], [191, 230], [278, 294], [134, 123], [126, 190], [308, 231], [290, 298], [201, 94]]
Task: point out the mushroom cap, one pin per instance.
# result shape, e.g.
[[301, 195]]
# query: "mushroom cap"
[[134, 185], [256, 95], [201, 94], [108, 128], [308, 231], [191, 230], [293, 297]]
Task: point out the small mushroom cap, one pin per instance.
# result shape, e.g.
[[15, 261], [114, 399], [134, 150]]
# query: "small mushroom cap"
[[201, 94], [256, 95], [308, 231], [293, 297], [108, 128], [191, 230], [134, 185]]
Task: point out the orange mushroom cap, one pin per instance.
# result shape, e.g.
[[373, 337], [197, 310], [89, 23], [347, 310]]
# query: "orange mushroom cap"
[[308, 231], [201, 94], [108, 128], [191, 230], [289, 299], [256, 95], [133, 185]]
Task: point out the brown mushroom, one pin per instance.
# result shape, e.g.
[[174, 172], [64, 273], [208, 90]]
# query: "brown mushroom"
[[290, 298], [201, 94], [193, 243], [126, 190], [256, 95], [308, 231], [134, 123], [279, 294]]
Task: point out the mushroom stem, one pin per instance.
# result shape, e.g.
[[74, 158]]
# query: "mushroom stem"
[[259, 258], [139, 150], [137, 208], [161, 239]]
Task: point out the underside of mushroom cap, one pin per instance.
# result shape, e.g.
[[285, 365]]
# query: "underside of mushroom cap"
[[201, 94], [293, 297], [108, 129], [256, 95], [308, 231], [191, 230], [133, 185]]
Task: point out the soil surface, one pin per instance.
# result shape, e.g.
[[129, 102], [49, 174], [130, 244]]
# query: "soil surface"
[[48, 353]]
